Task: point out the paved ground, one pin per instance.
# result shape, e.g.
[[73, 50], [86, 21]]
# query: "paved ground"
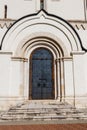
[[45, 127]]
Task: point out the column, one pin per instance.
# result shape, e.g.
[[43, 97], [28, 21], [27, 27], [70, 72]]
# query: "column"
[[60, 79]]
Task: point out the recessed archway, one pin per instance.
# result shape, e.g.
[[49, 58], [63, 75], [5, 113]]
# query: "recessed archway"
[[45, 46]]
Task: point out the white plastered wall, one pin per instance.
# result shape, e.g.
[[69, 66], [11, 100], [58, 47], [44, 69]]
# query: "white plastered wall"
[[17, 40], [67, 9]]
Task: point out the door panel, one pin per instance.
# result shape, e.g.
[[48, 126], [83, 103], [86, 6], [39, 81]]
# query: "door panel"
[[42, 69]]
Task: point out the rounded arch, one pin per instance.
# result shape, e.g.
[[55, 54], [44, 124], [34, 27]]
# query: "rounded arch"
[[40, 40], [41, 50], [42, 22], [57, 53]]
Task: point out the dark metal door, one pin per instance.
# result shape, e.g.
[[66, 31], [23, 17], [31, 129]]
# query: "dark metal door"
[[42, 74]]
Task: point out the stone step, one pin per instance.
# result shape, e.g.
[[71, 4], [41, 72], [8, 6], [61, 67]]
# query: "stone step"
[[40, 114], [41, 108], [44, 109], [40, 111], [36, 105], [43, 113], [50, 117]]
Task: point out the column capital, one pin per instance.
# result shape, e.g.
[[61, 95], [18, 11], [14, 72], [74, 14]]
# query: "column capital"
[[19, 59], [63, 58]]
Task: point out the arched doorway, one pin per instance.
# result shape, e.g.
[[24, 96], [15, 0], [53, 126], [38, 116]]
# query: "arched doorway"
[[41, 74]]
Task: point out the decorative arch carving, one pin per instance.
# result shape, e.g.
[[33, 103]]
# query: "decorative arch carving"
[[41, 23]]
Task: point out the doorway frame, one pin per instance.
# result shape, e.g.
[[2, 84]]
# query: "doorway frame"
[[30, 73]]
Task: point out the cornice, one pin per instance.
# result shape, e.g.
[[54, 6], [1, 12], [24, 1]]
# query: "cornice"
[[6, 23], [78, 24]]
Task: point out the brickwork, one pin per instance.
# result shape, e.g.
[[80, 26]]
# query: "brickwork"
[[46, 127]]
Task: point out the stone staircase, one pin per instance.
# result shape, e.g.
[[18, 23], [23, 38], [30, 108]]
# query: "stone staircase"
[[35, 110]]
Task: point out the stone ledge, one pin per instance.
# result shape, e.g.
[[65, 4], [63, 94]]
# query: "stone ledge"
[[78, 24], [6, 23]]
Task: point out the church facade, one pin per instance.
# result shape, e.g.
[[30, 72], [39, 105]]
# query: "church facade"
[[43, 51]]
